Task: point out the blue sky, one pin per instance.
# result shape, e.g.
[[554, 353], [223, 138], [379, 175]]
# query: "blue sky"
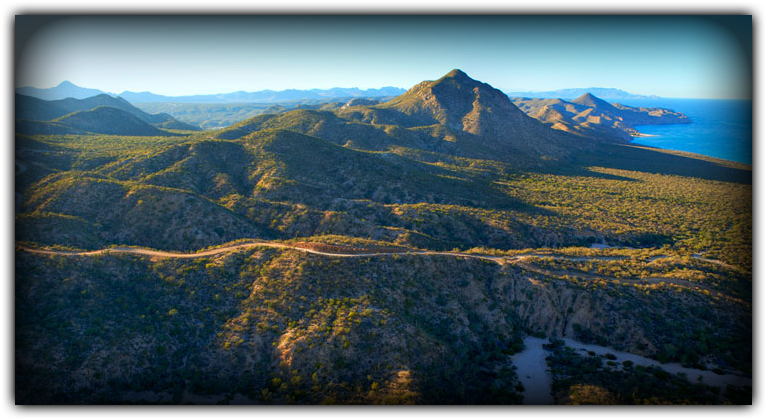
[[690, 57]]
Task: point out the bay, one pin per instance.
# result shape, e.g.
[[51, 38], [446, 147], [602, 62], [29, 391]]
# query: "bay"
[[720, 128]]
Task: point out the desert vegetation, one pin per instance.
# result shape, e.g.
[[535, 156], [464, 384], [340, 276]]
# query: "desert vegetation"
[[451, 165]]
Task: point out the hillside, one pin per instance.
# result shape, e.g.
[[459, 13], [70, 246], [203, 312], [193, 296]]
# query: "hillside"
[[592, 117], [266, 326], [445, 226], [454, 115], [108, 120], [220, 115], [99, 120], [34, 109], [481, 114]]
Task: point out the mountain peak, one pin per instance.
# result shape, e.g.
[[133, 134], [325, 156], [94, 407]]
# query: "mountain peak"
[[67, 84], [482, 115], [456, 101], [592, 101], [586, 97], [456, 74]]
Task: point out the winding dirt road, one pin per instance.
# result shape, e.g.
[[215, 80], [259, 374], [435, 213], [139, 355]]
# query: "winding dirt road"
[[521, 260], [216, 251]]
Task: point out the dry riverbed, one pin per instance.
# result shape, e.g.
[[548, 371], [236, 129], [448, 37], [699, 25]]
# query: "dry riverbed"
[[535, 375]]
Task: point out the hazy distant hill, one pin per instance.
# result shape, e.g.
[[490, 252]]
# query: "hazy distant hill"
[[264, 96], [605, 93], [64, 90], [593, 117], [99, 120], [34, 109], [69, 90], [108, 120], [219, 115]]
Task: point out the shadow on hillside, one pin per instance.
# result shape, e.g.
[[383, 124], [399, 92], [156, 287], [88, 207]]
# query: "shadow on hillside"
[[642, 159]]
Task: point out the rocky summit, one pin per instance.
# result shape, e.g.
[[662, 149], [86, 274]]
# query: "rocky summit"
[[480, 113], [459, 103]]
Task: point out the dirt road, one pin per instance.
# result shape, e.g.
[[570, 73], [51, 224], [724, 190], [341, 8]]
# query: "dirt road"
[[522, 260]]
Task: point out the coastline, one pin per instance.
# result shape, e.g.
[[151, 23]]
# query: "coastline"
[[721, 128]]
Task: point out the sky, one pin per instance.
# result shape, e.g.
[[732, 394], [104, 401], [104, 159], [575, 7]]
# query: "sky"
[[689, 57]]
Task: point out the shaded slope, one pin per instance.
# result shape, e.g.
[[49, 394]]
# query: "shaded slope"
[[35, 109], [130, 213], [287, 184], [213, 169], [324, 171], [108, 120], [591, 101]]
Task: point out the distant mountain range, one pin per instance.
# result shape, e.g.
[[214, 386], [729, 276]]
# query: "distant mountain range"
[[604, 93], [265, 96], [64, 90], [585, 116], [69, 90]]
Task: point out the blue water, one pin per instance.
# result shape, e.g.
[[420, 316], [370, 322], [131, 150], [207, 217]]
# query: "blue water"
[[720, 128]]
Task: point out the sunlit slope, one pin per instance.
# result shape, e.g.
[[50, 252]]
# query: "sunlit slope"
[[592, 117], [305, 173], [454, 115], [126, 212], [275, 326]]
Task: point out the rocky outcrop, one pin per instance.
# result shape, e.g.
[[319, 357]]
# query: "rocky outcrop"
[[360, 101]]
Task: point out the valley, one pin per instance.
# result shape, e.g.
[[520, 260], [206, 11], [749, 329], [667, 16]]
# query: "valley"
[[401, 251]]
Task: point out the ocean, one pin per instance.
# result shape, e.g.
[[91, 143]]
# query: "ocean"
[[720, 128]]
